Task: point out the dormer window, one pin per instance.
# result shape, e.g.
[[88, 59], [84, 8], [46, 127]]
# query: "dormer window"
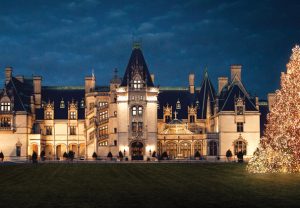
[[73, 115], [178, 105], [240, 110], [62, 104], [5, 107], [49, 115], [82, 104], [197, 104], [240, 106], [137, 84]]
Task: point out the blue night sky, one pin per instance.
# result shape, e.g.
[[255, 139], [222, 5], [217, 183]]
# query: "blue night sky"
[[63, 40]]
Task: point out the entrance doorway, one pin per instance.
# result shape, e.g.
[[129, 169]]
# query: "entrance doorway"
[[137, 151]]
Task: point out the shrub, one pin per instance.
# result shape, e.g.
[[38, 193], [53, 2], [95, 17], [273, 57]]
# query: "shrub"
[[240, 156], [164, 154], [43, 155], [154, 154], [65, 155], [109, 155], [94, 155], [34, 157], [228, 153], [120, 154], [1, 155], [197, 154], [71, 155]]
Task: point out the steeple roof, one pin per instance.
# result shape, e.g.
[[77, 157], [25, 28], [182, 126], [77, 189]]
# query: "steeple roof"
[[138, 64]]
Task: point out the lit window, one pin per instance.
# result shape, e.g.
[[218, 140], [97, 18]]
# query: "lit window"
[[73, 115], [240, 146], [134, 111], [240, 127], [105, 143], [137, 84], [5, 107], [49, 115], [103, 104], [140, 110]]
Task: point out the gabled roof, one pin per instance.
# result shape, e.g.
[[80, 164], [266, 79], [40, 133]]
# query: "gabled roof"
[[232, 91], [56, 95], [21, 91], [170, 95], [136, 60]]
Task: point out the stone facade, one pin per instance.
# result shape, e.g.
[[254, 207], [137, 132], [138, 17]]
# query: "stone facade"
[[131, 115]]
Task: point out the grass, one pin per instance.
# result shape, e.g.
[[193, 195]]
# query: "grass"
[[144, 185]]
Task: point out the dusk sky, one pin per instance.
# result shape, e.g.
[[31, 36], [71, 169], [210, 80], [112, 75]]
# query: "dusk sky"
[[64, 40]]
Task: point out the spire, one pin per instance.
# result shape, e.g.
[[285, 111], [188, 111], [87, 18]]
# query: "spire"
[[137, 66]]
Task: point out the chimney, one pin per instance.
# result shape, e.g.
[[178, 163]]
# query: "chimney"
[[90, 83], [271, 100], [257, 103], [8, 74], [192, 83], [20, 78], [32, 106], [236, 71], [222, 82], [152, 78], [37, 90]]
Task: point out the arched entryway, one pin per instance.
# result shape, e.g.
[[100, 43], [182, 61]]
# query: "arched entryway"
[[137, 150], [60, 150], [49, 151], [185, 149], [35, 148], [74, 148], [171, 149]]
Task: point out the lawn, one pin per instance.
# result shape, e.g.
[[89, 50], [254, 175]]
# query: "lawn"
[[144, 185]]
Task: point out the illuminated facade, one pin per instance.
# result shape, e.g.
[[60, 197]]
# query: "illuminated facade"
[[131, 115]]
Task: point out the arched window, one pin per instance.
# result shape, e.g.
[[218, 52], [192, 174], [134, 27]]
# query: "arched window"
[[198, 147], [185, 149], [171, 149], [213, 148], [240, 145]]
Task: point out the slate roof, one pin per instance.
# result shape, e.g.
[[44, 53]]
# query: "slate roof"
[[171, 95], [56, 95], [21, 91], [137, 59], [232, 91]]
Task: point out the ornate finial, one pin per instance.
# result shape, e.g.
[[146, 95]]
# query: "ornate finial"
[[93, 75], [175, 114], [136, 45], [116, 73]]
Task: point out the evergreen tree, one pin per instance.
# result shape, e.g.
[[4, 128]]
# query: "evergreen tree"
[[279, 150]]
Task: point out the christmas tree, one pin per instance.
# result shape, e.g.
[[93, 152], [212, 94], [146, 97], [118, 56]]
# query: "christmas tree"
[[279, 150]]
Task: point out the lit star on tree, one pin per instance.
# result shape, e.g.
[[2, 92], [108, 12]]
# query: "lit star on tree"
[[279, 149]]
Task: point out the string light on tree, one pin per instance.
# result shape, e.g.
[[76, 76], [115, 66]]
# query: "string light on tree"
[[279, 150]]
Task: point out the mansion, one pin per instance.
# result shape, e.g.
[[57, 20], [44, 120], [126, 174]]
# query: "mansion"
[[131, 114]]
